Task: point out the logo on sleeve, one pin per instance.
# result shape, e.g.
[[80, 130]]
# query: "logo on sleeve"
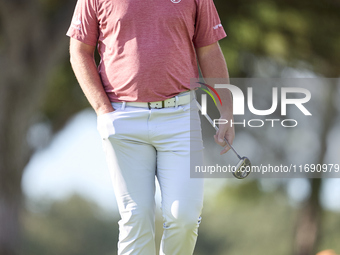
[[76, 22], [217, 26], [176, 1]]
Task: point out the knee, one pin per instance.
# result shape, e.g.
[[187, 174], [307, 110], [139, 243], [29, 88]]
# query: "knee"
[[184, 223], [185, 216]]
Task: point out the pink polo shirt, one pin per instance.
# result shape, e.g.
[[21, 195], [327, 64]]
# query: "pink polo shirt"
[[147, 47]]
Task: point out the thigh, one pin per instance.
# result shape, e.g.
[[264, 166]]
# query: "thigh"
[[132, 167], [181, 195], [179, 147], [131, 159]]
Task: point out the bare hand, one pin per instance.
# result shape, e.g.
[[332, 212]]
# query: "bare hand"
[[227, 132]]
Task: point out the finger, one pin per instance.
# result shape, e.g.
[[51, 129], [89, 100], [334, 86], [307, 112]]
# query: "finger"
[[220, 136], [223, 143], [225, 150]]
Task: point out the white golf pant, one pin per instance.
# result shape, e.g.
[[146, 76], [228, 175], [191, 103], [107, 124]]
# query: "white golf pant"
[[141, 144]]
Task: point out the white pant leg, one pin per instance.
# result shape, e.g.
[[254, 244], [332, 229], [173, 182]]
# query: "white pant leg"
[[182, 202], [182, 196], [132, 164]]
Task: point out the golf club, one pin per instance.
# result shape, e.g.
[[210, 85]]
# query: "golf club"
[[243, 167]]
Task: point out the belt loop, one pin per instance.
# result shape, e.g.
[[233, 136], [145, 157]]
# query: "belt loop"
[[123, 105], [176, 101]]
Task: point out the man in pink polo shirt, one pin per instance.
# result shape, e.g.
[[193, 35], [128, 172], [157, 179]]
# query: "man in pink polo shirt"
[[147, 113]]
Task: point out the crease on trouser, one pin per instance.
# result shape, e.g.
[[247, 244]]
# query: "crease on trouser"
[[135, 199], [136, 225], [182, 230]]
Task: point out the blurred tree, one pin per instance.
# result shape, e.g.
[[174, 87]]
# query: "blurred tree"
[[303, 35], [296, 33], [32, 46], [308, 227], [73, 226]]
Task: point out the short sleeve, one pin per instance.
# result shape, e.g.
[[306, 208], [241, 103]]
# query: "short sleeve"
[[84, 24], [208, 27]]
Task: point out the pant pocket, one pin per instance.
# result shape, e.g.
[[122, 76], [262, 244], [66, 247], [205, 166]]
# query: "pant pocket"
[[105, 124]]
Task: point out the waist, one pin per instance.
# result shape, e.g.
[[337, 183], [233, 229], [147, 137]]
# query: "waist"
[[180, 99]]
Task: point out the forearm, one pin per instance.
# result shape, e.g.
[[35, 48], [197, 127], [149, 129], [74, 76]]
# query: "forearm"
[[213, 65], [85, 69]]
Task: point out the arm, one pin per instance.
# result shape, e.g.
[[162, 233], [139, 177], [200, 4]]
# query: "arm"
[[213, 65], [85, 69]]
